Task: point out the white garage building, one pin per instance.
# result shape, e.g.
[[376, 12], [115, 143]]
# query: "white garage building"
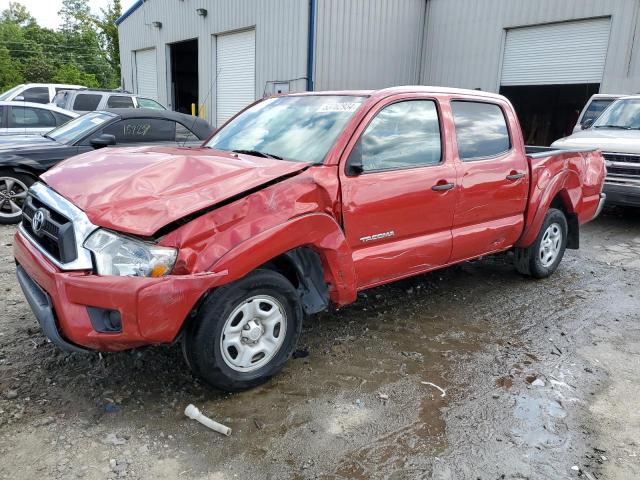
[[548, 56]]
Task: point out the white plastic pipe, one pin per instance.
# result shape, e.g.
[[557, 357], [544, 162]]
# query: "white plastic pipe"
[[192, 412]]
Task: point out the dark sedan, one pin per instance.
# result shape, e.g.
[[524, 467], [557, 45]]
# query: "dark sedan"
[[23, 158]]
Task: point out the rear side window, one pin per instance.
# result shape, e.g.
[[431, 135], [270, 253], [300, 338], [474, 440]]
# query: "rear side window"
[[2, 121], [481, 130], [148, 103], [119, 101], [25, 117], [86, 102], [60, 118], [402, 135], [36, 95], [183, 134], [137, 130]]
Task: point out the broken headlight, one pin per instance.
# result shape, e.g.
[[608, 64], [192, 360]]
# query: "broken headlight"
[[125, 256]]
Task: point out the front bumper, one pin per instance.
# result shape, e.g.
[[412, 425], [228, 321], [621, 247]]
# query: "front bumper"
[[619, 193], [152, 310], [603, 199]]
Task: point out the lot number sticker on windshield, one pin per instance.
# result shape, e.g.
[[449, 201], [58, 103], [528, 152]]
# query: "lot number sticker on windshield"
[[339, 107]]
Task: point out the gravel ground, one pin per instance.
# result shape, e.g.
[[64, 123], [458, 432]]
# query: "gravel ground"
[[541, 381]]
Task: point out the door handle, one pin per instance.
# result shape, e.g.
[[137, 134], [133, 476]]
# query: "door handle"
[[515, 176], [440, 187]]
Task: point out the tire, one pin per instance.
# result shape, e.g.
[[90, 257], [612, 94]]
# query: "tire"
[[542, 258], [13, 191], [256, 314]]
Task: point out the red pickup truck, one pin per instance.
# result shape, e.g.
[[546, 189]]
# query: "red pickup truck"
[[298, 201]]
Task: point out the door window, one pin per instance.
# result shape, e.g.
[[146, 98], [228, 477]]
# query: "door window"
[[2, 121], [29, 117], [402, 135], [136, 130], [86, 102], [481, 130], [36, 94], [119, 101], [60, 118]]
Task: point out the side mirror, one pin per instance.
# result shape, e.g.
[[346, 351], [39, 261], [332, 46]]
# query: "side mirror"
[[587, 123], [354, 162], [19, 98], [103, 140]]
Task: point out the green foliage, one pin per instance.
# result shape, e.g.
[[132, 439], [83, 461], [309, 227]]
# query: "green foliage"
[[83, 51], [71, 74], [10, 74]]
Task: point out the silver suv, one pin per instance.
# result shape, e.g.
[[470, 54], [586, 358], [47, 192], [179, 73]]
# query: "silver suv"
[[85, 100]]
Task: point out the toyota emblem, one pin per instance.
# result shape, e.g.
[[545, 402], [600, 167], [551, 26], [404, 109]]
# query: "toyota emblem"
[[38, 221]]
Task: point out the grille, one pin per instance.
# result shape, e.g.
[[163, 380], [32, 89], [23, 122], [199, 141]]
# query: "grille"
[[621, 157], [56, 235], [623, 164]]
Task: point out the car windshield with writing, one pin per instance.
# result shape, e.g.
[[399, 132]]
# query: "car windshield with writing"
[[298, 128], [77, 128]]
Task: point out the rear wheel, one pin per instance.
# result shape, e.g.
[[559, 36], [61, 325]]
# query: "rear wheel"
[[542, 258], [244, 331], [13, 193]]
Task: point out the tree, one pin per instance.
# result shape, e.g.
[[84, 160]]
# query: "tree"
[[18, 14], [109, 33], [10, 74], [76, 15], [72, 74]]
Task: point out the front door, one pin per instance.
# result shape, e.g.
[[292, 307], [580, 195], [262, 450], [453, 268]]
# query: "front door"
[[492, 180], [397, 193]]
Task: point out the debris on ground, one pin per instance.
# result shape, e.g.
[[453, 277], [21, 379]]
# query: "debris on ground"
[[192, 412], [435, 386]]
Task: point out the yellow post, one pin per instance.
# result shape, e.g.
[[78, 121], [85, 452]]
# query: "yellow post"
[[193, 109], [202, 111]]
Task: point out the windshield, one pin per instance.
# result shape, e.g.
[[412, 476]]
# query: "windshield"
[[299, 128], [595, 108], [9, 92], [77, 128], [624, 114]]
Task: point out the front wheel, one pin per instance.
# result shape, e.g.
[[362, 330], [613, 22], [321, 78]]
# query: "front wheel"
[[542, 258], [13, 193], [244, 331]]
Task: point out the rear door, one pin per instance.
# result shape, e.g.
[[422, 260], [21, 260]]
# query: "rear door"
[[492, 179], [23, 120], [398, 208]]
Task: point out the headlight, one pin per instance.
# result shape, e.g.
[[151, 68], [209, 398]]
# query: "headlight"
[[124, 256]]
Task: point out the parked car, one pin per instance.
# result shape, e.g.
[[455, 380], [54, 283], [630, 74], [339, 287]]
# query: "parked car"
[[22, 159], [35, 92], [27, 118], [617, 133], [83, 101], [593, 109], [298, 201]]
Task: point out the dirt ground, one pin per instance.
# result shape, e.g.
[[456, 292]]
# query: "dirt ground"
[[541, 382]]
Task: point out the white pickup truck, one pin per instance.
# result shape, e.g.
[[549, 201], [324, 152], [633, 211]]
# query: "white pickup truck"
[[617, 134]]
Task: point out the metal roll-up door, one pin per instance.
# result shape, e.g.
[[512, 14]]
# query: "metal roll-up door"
[[235, 71], [146, 73], [559, 53]]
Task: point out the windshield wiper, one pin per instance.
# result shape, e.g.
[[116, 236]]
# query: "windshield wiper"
[[620, 127], [258, 153]]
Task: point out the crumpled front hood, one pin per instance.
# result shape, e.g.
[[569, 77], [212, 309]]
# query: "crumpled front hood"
[[605, 139], [140, 190]]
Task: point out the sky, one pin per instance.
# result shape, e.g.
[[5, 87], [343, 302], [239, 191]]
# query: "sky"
[[46, 11]]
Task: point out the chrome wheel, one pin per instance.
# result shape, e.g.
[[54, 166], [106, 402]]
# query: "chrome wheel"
[[550, 245], [253, 333], [13, 193]]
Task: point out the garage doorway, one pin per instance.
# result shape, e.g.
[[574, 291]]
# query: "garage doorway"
[[184, 75], [549, 71], [548, 112]]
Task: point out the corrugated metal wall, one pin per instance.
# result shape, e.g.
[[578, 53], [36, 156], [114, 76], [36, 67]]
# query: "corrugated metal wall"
[[281, 40], [367, 43], [464, 39]]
